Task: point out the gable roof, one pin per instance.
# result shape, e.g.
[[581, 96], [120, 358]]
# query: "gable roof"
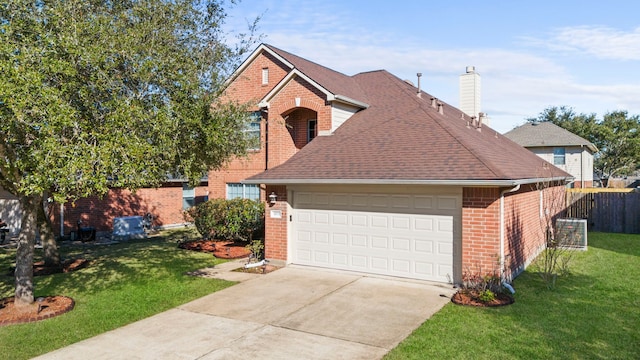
[[546, 133], [401, 138], [335, 85]]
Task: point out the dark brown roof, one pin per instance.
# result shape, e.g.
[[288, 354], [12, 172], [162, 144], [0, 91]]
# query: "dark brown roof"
[[543, 134], [402, 138], [335, 82]]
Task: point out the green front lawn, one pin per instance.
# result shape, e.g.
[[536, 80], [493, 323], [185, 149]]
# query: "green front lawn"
[[594, 313], [125, 283]]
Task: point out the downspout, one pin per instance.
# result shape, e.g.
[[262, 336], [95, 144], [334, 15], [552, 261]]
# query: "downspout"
[[266, 143], [502, 232], [581, 166]]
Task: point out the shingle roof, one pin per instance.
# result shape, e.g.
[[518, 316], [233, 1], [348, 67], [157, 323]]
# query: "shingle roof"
[[402, 138], [542, 134], [335, 82]]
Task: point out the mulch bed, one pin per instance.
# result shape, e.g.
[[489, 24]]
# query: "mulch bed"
[[470, 298], [219, 249], [43, 308]]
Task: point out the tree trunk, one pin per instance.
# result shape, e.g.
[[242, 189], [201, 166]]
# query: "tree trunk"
[[24, 254], [48, 239]]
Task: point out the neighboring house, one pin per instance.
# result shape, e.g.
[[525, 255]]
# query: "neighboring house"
[[394, 182], [10, 212], [560, 147]]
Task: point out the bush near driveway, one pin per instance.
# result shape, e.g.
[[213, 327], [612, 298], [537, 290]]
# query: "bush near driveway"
[[235, 219], [124, 283], [593, 313]]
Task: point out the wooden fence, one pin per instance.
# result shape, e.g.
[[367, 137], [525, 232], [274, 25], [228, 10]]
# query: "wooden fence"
[[606, 210]]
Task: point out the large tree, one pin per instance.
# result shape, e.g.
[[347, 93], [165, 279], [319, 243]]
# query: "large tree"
[[99, 94], [616, 135]]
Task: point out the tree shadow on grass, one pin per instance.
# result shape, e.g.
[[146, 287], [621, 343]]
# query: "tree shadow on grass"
[[115, 266]]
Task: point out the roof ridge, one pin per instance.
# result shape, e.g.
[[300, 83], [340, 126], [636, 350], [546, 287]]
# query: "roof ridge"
[[444, 122]]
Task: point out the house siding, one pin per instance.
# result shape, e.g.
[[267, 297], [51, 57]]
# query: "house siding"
[[578, 163], [341, 113]]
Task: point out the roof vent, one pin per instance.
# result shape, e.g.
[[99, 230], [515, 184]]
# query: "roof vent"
[[433, 102], [419, 75], [440, 108], [471, 69]]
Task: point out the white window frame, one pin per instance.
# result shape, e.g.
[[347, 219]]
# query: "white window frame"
[[246, 191], [559, 156], [254, 129], [265, 76]]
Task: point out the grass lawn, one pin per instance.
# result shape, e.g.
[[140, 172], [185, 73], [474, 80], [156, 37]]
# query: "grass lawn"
[[126, 282], [594, 313]]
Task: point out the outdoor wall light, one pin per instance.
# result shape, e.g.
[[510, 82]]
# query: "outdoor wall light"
[[272, 198]]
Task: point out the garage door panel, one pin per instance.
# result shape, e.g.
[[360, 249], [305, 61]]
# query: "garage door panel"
[[359, 240], [339, 219], [340, 259], [424, 246], [380, 264], [321, 257], [359, 262], [378, 221], [401, 244], [321, 238], [401, 222], [445, 248], [424, 268], [397, 235], [359, 220], [340, 239], [402, 266]]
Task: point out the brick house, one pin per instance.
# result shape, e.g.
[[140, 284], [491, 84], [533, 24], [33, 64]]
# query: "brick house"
[[371, 175], [395, 181]]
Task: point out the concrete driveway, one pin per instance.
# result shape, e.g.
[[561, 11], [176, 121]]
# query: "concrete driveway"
[[292, 313]]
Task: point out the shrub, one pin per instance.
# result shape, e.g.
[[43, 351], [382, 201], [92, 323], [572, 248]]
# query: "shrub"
[[236, 219], [256, 247], [482, 285]]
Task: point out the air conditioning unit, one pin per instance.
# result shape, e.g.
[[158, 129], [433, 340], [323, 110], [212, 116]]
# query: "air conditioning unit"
[[572, 233]]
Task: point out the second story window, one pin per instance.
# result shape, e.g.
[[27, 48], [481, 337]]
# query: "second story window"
[[253, 131], [312, 129], [559, 156], [265, 76]]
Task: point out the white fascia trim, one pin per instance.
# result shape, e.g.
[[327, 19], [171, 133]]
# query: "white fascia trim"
[[348, 100], [252, 57], [483, 183], [330, 96], [290, 76]]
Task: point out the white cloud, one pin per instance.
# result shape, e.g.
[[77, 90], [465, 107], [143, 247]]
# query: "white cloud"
[[598, 41]]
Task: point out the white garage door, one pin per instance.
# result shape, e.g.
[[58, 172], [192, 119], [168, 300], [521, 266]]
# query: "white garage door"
[[388, 234]]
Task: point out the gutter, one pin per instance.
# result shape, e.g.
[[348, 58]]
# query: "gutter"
[[476, 183], [502, 232]]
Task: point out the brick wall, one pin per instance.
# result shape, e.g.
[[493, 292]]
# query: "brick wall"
[[527, 213], [164, 203], [276, 228], [480, 229]]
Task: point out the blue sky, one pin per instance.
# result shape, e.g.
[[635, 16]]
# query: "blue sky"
[[530, 55]]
